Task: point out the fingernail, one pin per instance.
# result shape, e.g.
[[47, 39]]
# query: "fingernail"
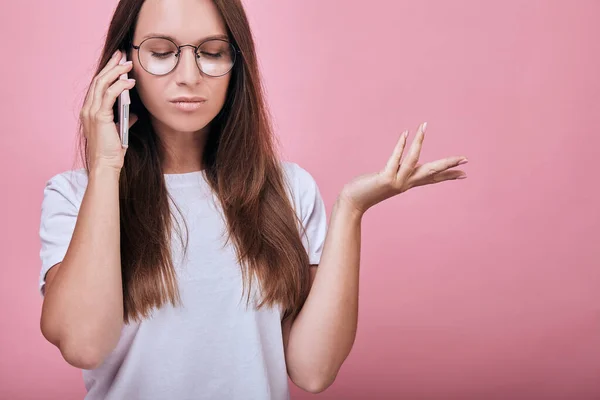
[[116, 53], [462, 177], [463, 161], [405, 134], [424, 127], [128, 62], [131, 80]]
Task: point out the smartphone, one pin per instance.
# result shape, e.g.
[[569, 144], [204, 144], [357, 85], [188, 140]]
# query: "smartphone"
[[123, 109]]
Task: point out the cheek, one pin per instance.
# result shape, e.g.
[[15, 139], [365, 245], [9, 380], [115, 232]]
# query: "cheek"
[[219, 91], [150, 93]]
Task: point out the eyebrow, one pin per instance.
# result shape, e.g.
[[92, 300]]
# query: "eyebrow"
[[162, 35]]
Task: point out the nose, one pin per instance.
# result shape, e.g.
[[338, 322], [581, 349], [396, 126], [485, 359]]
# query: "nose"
[[187, 71]]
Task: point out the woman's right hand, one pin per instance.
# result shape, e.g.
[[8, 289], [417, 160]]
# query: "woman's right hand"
[[100, 130]]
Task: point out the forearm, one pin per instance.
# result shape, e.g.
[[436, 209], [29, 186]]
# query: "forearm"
[[83, 307], [323, 333]]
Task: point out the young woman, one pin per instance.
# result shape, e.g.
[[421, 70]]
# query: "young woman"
[[185, 266]]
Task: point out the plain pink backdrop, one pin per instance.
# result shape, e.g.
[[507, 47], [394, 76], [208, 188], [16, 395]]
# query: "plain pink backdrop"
[[486, 288]]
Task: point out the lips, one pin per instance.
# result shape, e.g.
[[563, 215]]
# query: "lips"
[[188, 103], [188, 99]]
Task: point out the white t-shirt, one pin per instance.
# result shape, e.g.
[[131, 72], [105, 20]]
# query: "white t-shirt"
[[213, 347]]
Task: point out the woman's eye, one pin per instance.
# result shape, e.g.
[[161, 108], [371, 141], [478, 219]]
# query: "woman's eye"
[[162, 55], [210, 55]]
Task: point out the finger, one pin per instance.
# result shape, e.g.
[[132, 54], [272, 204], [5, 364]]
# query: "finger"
[[435, 167], [111, 94], [394, 161], [412, 158], [107, 80], [112, 62], [439, 177], [87, 103]]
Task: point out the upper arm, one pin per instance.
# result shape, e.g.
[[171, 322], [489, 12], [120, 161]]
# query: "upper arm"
[[286, 325], [50, 275], [312, 213], [59, 210], [310, 210]]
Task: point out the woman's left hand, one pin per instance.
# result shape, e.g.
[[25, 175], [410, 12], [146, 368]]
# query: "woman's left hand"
[[398, 176]]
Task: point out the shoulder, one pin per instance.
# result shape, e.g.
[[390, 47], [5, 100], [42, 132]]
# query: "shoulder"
[[70, 185], [297, 176], [303, 189], [300, 181]]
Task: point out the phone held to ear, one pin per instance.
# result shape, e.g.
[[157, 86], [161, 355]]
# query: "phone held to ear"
[[123, 109]]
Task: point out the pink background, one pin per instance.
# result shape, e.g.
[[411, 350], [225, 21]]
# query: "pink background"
[[486, 288]]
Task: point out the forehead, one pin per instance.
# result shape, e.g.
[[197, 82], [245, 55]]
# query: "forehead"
[[185, 20]]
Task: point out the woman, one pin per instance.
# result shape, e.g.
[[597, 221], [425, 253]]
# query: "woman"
[[149, 251]]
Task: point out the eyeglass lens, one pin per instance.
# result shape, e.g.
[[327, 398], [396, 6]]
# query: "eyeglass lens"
[[159, 56]]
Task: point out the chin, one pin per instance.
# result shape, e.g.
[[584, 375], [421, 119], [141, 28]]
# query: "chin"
[[187, 124]]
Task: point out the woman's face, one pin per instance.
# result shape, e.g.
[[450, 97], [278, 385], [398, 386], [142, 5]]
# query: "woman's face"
[[186, 22]]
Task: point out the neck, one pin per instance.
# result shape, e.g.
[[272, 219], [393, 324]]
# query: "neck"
[[183, 151]]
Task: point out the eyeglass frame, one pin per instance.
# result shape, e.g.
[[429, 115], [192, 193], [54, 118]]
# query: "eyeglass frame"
[[196, 48]]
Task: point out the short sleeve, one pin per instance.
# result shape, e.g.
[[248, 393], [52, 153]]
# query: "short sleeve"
[[59, 214], [310, 209]]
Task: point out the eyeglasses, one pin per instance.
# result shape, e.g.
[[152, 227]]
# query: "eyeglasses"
[[159, 56]]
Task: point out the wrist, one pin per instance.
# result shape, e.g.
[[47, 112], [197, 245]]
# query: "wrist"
[[345, 206], [101, 171]]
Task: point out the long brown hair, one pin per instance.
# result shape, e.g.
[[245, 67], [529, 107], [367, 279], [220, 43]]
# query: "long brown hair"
[[242, 169]]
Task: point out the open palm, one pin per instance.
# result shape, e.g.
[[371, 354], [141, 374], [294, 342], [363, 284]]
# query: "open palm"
[[399, 175]]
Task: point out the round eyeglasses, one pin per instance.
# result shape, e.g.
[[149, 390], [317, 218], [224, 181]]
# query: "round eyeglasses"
[[159, 56]]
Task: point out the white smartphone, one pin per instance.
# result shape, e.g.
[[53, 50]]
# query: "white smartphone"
[[123, 109]]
